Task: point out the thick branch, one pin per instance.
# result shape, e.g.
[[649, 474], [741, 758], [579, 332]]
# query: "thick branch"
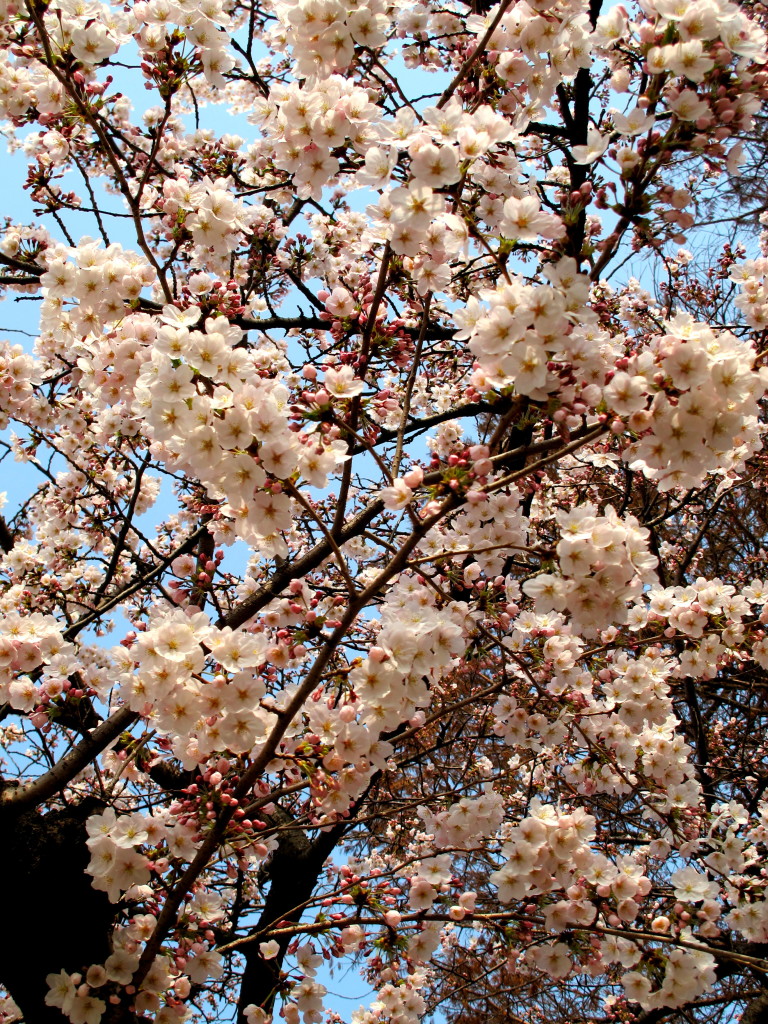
[[65, 770], [295, 570], [294, 872]]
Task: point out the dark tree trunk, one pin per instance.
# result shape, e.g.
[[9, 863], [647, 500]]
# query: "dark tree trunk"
[[294, 871], [756, 1011], [55, 919]]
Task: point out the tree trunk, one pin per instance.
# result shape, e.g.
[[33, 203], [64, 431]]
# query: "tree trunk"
[[294, 871], [55, 919]]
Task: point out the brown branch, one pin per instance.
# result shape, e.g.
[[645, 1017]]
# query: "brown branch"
[[65, 770], [476, 54]]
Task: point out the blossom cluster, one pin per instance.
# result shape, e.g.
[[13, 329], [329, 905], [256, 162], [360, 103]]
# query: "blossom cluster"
[[162, 678], [28, 642], [401, 1002], [79, 995], [115, 864], [207, 26], [88, 286], [215, 219], [604, 562], [417, 643], [527, 329], [18, 376], [304, 126], [466, 822], [213, 413], [703, 415], [322, 37]]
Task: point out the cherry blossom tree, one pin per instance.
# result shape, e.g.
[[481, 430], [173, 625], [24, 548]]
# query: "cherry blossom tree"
[[391, 591]]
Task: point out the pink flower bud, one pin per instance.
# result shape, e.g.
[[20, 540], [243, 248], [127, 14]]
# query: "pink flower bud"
[[414, 476]]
